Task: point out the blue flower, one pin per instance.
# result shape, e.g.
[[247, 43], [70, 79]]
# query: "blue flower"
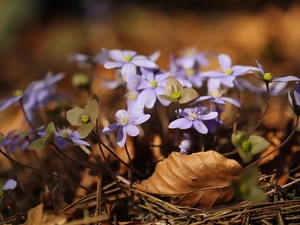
[[14, 140], [186, 145], [8, 185], [215, 93], [126, 124], [268, 77], [294, 99], [85, 62], [128, 61], [65, 135], [5, 103], [193, 118], [228, 72], [152, 87], [191, 58]]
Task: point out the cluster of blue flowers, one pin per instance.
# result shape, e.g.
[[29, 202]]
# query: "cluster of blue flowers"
[[146, 82]]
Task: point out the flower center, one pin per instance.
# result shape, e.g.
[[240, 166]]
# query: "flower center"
[[18, 92], [64, 134], [85, 118], [153, 83], [268, 76], [243, 189], [127, 58], [176, 95], [132, 96], [190, 72], [124, 118], [216, 92], [247, 146], [193, 114], [228, 71]]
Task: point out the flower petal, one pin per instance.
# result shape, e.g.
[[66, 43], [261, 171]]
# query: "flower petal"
[[225, 61], [200, 127], [232, 101], [121, 136], [177, 123], [9, 185], [111, 128], [132, 130]]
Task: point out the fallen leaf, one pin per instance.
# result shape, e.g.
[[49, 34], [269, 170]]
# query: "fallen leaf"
[[199, 180]]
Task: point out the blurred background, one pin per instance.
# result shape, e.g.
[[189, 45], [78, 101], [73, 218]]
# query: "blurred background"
[[36, 36]]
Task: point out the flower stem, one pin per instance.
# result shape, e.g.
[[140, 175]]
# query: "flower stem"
[[130, 164], [238, 109], [41, 171], [265, 111], [279, 146]]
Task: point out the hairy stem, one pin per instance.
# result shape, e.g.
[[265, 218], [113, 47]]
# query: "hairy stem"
[[265, 111]]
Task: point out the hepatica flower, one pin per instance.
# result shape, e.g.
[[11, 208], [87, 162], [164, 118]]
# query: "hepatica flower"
[[191, 57], [8, 185], [228, 72], [126, 124], [268, 77], [193, 118], [127, 61], [65, 135], [151, 86], [84, 118], [294, 99], [18, 140], [186, 145], [84, 61], [175, 92], [248, 145], [215, 93]]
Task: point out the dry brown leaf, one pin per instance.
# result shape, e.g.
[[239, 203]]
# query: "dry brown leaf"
[[37, 216], [199, 180]]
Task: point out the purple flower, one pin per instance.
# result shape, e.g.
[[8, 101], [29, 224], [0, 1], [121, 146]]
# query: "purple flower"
[[126, 124], [65, 135], [152, 86], [191, 58], [193, 117], [186, 145], [14, 140], [267, 77], [294, 99], [128, 61], [85, 62], [277, 88], [8, 185], [215, 93], [193, 76], [174, 71], [228, 72], [5, 103], [115, 83]]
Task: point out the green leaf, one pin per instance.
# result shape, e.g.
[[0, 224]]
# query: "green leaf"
[[246, 156], [85, 129], [166, 97], [172, 85], [246, 186], [92, 110], [187, 95], [238, 137], [50, 128], [37, 144], [258, 143], [74, 116], [1, 137]]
